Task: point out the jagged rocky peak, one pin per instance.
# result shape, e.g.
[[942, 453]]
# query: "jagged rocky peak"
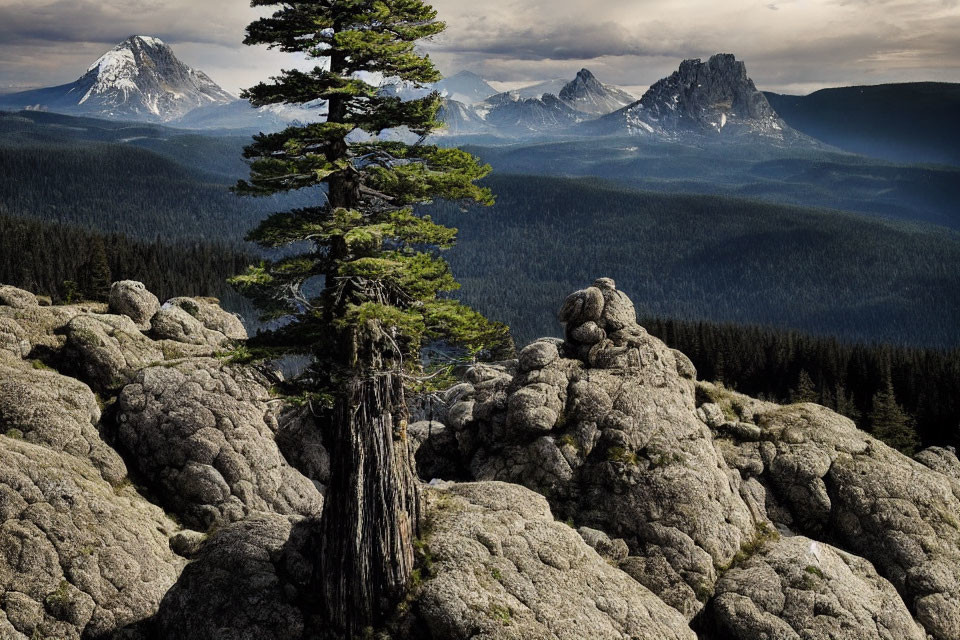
[[713, 97], [460, 118], [533, 115], [587, 94], [139, 79], [141, 76], [466, 87]]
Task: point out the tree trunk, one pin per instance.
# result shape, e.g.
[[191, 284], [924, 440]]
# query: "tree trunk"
[[372, 507]]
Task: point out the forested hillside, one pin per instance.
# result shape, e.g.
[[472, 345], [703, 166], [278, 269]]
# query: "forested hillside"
[[705, 257], [65, 262], [852, 379], [904, 122], [807, 177], [121, 189]]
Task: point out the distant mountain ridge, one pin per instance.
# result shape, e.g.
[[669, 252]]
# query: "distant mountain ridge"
[[904, 122], [588, 95], [712, 97], [139, 79]]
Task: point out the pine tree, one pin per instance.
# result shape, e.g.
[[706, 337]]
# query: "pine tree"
[[890, 423], [369, 292], [96, 272], [806, 390]]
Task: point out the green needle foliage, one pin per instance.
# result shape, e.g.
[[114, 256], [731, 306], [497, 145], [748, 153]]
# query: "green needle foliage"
[[366, 255], [362, 286]]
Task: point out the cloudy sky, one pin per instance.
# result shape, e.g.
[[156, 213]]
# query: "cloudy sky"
[[789, 45]]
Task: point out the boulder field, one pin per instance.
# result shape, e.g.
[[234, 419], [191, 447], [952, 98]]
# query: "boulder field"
[[592, 487]]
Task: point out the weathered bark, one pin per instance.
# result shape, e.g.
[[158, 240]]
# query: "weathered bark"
[[371, 509]]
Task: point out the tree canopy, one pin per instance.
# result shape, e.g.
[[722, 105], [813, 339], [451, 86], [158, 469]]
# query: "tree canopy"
[[369, 257]]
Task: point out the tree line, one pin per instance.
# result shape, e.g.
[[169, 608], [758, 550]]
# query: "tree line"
[[905, 396], [68, 263]]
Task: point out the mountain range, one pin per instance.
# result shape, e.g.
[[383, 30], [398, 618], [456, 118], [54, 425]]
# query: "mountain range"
[[142, 80]]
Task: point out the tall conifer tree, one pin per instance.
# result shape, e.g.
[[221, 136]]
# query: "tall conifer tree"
[[367, 291]]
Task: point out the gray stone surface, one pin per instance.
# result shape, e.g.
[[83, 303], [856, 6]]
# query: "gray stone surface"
[[42, 407], [107, 351], [17, 298], [239, 587], [211, 316], [79, 558], [798, 588], [201, 433], [828, 480], [130, 298], [503, 568], [608, 431], [300, 440], [41, 327], [13, 338], [176, 325]]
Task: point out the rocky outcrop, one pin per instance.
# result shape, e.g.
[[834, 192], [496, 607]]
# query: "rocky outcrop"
[[817, 474], [202, 434], [699, 512], [17, 298], [106, 351], [604, 425], [501, 567], [131, 299], [197, 321], [37, 331], [79, 558], [42, 407], [245, 583], [799, 588]]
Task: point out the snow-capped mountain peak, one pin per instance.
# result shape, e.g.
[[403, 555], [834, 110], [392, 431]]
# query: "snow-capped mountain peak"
[[139, 79], [588, 95]]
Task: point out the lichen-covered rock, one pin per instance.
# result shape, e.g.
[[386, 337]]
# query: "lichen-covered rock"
[[582, 307], [608, 431], [300, 439], [176, 325], [942, 460], [13, 339], [17, 298], [201, 433], [106, 351], [610, 550], [211, 316], [828, 480], [239, 587], [130, 298], [503, 568], [798, 588], [79, 558], [41, 329], [45, 408]]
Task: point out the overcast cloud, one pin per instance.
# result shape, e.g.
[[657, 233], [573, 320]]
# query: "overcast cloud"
[[789, 45]]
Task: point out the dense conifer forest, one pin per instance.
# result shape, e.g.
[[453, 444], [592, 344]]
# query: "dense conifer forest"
[[711, 258], [68, 263], [114, 188], [907, 397]]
